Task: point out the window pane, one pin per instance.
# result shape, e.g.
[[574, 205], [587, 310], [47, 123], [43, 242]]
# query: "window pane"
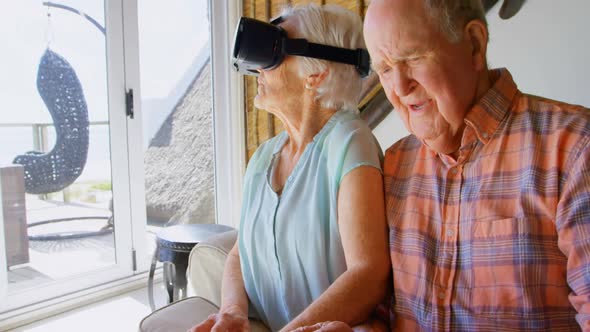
[[54, 143], [177, 113]]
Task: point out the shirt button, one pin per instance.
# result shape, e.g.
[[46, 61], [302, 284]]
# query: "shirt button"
[[450, 233], [485, 135], [441, 295], [454, 171]]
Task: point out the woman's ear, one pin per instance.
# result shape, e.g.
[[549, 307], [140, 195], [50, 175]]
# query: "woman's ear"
[[314, 81], [476, 34]]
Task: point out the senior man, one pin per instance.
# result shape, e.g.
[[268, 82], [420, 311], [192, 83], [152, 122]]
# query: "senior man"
[[488, 199]]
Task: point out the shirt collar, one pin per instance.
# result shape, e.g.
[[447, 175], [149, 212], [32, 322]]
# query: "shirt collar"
[[490, 110]]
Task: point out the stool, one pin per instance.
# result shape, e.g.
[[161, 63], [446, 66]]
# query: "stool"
[[173, 247]]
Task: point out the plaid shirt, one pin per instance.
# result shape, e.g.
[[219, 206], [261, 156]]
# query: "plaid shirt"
[[498, 239]]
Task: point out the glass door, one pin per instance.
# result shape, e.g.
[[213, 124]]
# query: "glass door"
[[176, 103], [177, 116], [65, 220]]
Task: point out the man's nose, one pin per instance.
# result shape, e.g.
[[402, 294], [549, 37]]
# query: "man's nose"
[[403, 83]]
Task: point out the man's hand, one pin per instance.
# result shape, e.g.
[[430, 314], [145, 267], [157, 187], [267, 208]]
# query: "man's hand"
[[221, 322], [372, 325], [325, 327]]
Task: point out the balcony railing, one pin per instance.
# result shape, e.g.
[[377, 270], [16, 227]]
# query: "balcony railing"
[[40, 135]]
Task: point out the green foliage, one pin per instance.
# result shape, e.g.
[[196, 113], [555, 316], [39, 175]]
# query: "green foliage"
[[106, 186]]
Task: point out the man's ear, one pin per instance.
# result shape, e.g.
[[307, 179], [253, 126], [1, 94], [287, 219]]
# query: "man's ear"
[[476, 34], [315, 80]]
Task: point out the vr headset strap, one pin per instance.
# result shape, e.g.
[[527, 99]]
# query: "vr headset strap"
[[358, 58]]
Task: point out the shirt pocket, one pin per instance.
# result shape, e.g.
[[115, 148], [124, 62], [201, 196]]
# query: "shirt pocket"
[[517, 271]]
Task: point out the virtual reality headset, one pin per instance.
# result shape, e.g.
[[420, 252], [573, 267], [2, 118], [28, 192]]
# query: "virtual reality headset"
[[261, 45]]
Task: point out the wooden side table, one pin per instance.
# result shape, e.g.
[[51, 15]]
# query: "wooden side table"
[[173, 247]]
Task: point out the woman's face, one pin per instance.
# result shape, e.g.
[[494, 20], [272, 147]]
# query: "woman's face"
[[282, 86]]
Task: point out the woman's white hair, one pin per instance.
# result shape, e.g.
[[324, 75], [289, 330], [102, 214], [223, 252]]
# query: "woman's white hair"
[[335, 26]]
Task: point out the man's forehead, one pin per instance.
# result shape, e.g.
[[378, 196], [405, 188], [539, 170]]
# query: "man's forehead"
[[399, 40]]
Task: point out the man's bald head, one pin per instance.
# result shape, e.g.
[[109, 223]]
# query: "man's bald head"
[[450, 16]]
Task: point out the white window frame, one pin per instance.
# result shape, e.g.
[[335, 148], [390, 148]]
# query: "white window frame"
[[74, 291], [228, 113], [3, 263], [230, 152], [136, 171]]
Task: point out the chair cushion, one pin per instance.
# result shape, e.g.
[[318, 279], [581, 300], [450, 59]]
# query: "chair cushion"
[[184, 314], [178, 316], [206, 264]]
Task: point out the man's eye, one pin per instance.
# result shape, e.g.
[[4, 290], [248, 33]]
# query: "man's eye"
[[414, 60]]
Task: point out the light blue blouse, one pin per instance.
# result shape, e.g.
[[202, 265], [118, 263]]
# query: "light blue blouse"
[[289, 245]]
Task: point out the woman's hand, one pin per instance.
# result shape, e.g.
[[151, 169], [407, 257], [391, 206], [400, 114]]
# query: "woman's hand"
[[325, 327], [224, 321]]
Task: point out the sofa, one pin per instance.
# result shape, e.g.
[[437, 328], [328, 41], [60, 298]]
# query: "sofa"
[[205, 269]]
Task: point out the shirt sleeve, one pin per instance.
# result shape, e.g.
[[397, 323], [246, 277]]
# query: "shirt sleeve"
[[360, 148], [573, 228]]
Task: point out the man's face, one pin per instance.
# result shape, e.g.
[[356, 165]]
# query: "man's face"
[[430, 81]]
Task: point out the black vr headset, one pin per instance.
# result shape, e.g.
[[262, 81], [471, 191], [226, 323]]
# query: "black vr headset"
[[261, 45]]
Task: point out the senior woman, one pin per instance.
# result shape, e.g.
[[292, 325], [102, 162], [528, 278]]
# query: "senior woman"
[[312, 244]]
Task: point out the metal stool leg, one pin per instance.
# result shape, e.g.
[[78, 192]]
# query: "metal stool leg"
[[169, 277], [151, 279], [180, 281]]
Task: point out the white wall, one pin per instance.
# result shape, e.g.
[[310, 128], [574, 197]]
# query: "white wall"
[[546, 47]]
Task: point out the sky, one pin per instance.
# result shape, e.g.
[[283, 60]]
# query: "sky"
[[171, 34]]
